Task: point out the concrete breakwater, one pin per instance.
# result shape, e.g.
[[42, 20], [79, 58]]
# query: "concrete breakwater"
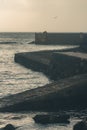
[[66, 64], [55, 64], [63, 94], [67, 67], [37, 61]]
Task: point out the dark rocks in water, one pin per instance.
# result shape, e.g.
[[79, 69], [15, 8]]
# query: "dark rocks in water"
[[82, 125], [48, 118], [9, 127]]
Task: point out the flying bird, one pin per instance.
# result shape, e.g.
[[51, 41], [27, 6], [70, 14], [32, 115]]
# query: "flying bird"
[[55, 17]]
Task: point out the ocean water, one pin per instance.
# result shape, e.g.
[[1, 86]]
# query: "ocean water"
[[15, 78]]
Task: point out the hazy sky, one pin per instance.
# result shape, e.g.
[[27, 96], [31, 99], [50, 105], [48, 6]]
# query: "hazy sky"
[[41, 15]]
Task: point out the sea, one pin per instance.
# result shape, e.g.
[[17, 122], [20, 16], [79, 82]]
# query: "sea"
[[15, 78]]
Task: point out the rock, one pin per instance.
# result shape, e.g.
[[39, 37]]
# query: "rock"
[[82, 125], [45, 119], [9, 127]]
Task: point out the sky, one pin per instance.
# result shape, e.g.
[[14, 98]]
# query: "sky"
[[43, 15]]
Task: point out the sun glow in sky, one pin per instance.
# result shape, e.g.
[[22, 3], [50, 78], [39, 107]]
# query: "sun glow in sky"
[[41, 15]]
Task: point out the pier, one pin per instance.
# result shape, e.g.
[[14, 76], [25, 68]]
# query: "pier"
[[67, 70], [68, 93], [55, 64]]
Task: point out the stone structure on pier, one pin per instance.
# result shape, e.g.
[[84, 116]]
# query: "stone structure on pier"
[[46, 38]]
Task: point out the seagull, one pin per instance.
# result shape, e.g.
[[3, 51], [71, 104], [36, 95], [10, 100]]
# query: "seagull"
[[55, 17]]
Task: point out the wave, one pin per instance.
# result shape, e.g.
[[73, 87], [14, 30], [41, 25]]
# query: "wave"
[[7, 42]]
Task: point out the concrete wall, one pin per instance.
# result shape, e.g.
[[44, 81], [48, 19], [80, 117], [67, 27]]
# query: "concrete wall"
[[84, 44], [59, 38], [65, 94], [56, 65], [65, 65]]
